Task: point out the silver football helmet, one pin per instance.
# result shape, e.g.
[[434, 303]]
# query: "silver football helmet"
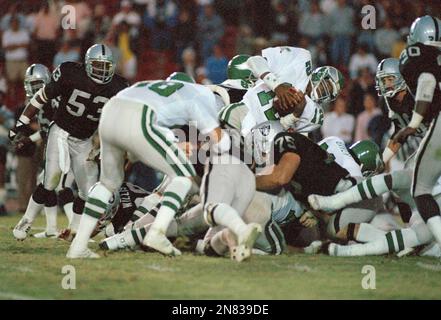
[[36, 76], [100, 65], [425, 30], [388, 78]]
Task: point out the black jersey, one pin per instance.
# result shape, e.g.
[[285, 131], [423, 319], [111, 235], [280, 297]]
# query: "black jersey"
[[318, 173], [81, 99], [130, 197], [418, 59], [236, 95]]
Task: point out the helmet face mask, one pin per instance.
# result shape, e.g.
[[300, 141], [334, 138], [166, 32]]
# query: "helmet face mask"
[[36, 76], [180, 76], [99, 64], [326, 84], [388, 78]]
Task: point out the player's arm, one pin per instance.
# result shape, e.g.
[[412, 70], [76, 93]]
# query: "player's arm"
[[281, 174], [284, 91], [423, 99]]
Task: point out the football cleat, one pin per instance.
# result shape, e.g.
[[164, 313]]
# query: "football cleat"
[[158, 241], [21, 230], [44, 234], [115, 242], [67, 235], [323, 203], [245, 242], [85, 254], [332, 249], [313, 248]]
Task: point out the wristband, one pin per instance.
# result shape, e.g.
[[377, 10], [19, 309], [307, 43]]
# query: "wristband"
[[271, 81], [35, 137], [24, 119], [387, 154], [288, 121], [415, 121]]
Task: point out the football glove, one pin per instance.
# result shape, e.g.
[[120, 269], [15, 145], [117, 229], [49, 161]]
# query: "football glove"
[[19, 127], [308, 220]]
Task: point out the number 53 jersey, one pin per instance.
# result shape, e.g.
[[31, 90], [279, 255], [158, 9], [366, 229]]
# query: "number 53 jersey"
[[81, 99]]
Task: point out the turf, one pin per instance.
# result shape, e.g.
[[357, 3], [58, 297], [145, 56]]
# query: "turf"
[[33, 269]]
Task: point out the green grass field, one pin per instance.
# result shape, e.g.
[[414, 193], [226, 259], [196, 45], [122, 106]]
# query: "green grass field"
[[33, 269]]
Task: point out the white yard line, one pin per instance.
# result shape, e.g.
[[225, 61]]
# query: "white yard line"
[[15, 296], [431, 267]]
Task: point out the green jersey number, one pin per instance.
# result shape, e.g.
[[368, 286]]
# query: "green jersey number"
[[264, 98], [163, 88], [308, 68]]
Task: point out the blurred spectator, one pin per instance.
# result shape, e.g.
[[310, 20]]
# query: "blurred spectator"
[[7, 121], [13, 11], [3, 82], [312, 23], [189, 63], [201, 76], [364, 84], [99, 25], [363, 119], [160, 18], [184, 32], [129, 15], [66, 53], [378, 127], [46, 32], [282, 24], [126, 44], [338, 123], [362, 59], [327, 6], [217, 66], [400, 44], [15, 43], [245, 40], [211, 30], [341, 28], [385, 38]]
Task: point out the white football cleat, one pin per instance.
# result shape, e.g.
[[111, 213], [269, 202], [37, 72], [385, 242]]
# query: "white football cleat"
[[45, 234], [245, 242], [115, 242], [323, 203], [84, 254], [313, 248], [158, 241], [405, 252], [21, 230], [333, 249]]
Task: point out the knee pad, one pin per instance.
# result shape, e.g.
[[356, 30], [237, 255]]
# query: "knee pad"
[[65, 196], [405, 211], [41, 195], [78, 205], [44, 196], [427, 206], [180, 184]]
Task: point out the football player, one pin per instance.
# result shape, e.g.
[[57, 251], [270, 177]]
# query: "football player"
[[419, 65], [149, 109], [83, 89], [36, 76]]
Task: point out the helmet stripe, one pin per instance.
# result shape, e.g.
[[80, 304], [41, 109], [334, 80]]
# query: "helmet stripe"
[[31, 72], [103, 48], [436, 29]]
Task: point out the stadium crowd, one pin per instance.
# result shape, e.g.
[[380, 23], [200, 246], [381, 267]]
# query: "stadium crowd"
[[153, 38]]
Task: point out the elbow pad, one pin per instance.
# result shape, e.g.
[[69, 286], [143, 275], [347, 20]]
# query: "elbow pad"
[[426, 87]]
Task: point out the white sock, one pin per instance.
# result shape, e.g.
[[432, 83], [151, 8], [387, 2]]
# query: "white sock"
[[227, 216], [75, 222], [144, 220], [68, 210], [172, 200], [368, 233], [87, 225], [434, 225], [218, 244], [51, 219], [377, 247], [33, 209], [192, 221]]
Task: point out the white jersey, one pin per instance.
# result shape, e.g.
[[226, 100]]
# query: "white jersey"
[[285, 207], [343, 158], [289, 64], [176, 103]]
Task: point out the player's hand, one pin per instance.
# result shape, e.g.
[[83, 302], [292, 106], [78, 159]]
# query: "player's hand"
[[19, 127], [287, 96], [21, 141], [308, 220], [403, 134], [12, 134]]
